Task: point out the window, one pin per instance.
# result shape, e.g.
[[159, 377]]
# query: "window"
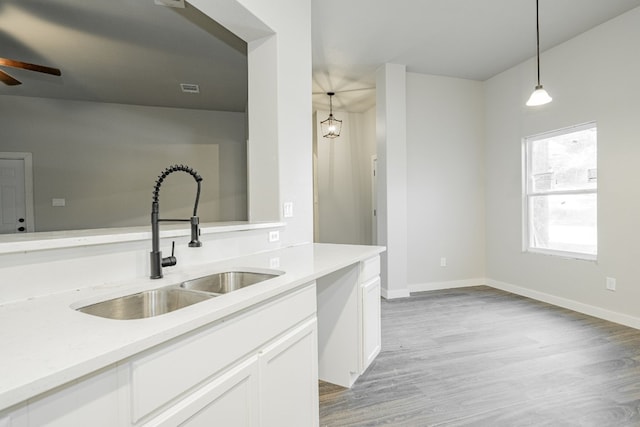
[[561, 192]]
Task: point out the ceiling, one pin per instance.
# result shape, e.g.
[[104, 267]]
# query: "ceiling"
[[123, 51], [138, 52], [469, 39]]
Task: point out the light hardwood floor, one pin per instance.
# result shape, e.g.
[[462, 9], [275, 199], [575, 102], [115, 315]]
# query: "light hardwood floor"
[[483, 357]]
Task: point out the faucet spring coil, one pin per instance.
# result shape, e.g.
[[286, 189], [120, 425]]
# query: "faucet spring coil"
[[170, 170]]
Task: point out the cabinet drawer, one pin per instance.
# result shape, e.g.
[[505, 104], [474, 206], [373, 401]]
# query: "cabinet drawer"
[[369, 269], [165, 372]]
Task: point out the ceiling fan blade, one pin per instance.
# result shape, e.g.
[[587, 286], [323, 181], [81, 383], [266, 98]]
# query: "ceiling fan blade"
[[31, 67], [8, 80]]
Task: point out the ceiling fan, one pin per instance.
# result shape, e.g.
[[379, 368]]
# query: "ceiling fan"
[[8, 80]]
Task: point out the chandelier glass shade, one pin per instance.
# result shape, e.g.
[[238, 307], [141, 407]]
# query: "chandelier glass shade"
[[331, 127]]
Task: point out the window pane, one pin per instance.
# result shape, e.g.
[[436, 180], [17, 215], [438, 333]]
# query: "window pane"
[[565, 162], [564, 222]]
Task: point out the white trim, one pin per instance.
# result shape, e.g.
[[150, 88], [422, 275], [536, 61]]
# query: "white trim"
[[399, 293], [528, 193], [562, 131], [601, 313], [563, 254], [562, 192], [28, 185], [374, 199], [451, 284], [591, 310], [12, 243]]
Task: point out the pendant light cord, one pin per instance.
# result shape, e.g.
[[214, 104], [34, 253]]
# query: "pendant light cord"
[[331, 102], [538, 41]]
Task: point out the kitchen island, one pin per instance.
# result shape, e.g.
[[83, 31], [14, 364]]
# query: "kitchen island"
[[240, 355]]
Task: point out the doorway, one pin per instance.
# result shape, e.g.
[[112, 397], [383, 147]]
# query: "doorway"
[[16, 193]]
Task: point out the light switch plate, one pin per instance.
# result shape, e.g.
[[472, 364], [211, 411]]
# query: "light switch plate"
[[288, 209], [611, 283], [274, 236], [58, 202]]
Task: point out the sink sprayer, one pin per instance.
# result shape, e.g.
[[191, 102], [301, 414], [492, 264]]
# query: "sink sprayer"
[[157, 261]]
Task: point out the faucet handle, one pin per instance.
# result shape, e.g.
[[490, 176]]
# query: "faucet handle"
[[170, 260], [195, 233]]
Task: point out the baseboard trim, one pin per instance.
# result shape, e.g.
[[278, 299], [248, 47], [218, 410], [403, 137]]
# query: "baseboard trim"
[[401, 293], [451, 284], [590, 310]]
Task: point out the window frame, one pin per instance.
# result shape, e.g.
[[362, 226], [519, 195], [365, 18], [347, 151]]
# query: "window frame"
[[527, 194]]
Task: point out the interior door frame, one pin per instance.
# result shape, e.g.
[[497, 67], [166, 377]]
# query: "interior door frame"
[[374, 199], [27, 158]]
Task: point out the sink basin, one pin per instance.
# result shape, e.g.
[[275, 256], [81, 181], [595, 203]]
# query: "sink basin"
[[225, 282], [145, 304]]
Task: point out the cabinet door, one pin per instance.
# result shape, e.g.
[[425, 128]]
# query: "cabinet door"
[[371, 334], [289, 379], [229, 400], [89, 401]]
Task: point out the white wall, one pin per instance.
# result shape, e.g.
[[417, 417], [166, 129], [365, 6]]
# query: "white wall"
[[100, 157], [445, 182], [391, 140], [593, 77], [344, 179]]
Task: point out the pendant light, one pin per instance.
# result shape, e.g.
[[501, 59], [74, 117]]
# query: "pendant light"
[[332, 126], [539, 95]]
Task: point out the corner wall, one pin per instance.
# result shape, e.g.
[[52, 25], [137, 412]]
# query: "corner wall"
[[593, 77], [445, 182]]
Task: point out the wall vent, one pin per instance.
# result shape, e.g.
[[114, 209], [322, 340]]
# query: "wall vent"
[[189, 88], [171, 3]]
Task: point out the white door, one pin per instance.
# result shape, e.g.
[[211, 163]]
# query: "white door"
[[13, 209]]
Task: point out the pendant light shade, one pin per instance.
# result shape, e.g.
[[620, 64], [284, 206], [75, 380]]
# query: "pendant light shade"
[[539, 95], [331, 127]]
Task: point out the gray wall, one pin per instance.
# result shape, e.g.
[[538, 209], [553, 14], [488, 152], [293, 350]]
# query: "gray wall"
[[445, 182], [593, 77], [104, 158]]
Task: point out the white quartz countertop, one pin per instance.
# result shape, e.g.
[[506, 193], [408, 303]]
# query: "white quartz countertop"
[[46, 343]]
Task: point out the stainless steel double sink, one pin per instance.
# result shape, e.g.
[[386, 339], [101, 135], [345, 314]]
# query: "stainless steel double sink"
[[174, 297]]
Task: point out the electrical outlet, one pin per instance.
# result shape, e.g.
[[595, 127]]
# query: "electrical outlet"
[[274, 262], [287, 209], [443, 262], [611, 283], [274, 236]]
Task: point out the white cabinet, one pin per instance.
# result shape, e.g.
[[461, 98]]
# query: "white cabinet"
[[371, 335], [229, 400], [349, 334], [289, 379], [89, 401], [254, 368], [276, 387]]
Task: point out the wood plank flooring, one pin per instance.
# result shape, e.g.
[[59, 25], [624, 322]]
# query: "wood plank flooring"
[[483, 357]]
